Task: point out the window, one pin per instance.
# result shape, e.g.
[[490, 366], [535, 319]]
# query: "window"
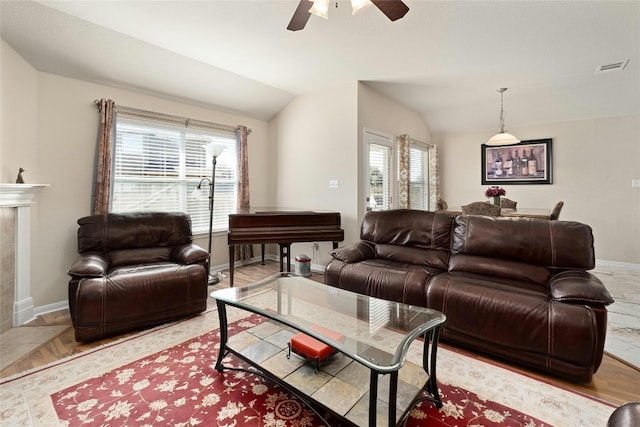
[[379, 171], [418, 176], [157, 167]]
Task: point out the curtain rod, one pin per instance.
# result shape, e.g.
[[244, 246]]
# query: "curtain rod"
[[168, 118]]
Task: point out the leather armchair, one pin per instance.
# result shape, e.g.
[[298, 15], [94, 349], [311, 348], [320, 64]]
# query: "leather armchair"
[[134, 271]]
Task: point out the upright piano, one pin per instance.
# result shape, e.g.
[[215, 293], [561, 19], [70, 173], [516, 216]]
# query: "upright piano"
[[266, 225]]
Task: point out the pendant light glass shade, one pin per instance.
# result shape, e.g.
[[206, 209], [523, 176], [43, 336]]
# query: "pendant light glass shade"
[[358, 6], [502, 137], [320, 8]]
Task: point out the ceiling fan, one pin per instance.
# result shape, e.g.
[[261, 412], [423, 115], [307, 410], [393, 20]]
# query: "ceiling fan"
[[393, 9]]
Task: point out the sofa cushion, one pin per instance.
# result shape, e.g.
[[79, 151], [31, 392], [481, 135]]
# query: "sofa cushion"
[[104, 233], [520, 319], [390, 280], [552, 244], [517, 271], [409, 255], [139, 256], [410, 236]]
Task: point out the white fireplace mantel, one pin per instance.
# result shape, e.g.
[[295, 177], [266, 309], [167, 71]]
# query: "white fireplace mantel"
[[14, 195], [20, 197]]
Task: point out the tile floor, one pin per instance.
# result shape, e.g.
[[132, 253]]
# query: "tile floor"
[[623, 329]]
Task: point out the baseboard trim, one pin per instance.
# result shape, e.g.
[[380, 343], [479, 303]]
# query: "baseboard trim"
[[44, 309], [616, 264]]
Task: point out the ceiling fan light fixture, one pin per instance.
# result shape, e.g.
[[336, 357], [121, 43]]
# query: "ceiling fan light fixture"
[[320, 8], [358, 6], [502, 137]]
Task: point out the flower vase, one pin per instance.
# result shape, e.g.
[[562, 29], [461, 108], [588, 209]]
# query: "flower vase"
[[495, 200]]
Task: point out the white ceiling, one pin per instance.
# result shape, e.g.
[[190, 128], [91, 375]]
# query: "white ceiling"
[[444, 59]]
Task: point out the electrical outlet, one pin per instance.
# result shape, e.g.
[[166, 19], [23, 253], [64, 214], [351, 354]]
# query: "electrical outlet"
[[635, 183], [333, 183]]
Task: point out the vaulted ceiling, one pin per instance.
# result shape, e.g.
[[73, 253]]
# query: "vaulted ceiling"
[[444, 59]]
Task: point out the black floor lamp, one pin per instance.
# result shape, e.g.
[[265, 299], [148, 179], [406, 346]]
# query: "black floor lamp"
[[213, 150]]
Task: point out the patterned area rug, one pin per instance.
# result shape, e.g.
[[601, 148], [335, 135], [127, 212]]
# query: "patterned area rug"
[[166, 376]]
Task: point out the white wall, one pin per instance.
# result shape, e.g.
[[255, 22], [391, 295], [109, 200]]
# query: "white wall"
[[594, 162], [315, 141], [18, 114], [377, 112], [318, 137], [62, 153]]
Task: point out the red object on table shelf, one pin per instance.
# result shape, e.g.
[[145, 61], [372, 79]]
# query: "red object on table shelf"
[[313, 349]]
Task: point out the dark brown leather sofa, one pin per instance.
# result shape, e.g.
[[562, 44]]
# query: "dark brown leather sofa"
[[134, 271], [518, 289]]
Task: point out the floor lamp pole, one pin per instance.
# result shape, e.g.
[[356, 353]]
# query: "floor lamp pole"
[[212, 279], [213, 150]]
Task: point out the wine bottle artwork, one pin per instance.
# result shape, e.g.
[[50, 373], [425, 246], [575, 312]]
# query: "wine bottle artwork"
[[533, 165], [528, 162]]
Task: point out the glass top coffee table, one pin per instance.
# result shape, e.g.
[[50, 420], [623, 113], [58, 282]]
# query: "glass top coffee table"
[[371, 338]]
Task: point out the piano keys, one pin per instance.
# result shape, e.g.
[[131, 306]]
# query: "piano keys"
[[283, 227]]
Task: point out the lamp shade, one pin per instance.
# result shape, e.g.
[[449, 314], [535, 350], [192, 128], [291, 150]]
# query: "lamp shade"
[[502, 138], [213, 149]]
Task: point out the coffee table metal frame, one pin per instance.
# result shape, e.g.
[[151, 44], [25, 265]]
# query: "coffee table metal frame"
[[429, 331]]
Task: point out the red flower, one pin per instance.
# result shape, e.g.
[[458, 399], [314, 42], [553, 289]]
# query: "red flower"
[[494, 191]]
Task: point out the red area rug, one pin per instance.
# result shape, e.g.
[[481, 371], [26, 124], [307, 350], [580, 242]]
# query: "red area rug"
[[179, 386]]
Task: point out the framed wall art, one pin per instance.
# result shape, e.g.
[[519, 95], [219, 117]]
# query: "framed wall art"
[[528, 162]]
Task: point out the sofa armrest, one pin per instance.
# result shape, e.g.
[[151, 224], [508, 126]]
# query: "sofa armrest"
[[579, 287], [90, 264], [189, 254], [354, 253]]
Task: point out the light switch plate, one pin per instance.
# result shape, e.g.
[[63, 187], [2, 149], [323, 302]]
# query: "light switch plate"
[[333, 183], [635, 182]]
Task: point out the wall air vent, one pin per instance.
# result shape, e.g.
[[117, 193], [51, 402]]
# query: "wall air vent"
[[614, 66]]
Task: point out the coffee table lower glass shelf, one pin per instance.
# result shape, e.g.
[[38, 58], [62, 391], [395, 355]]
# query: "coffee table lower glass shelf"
[[369, 368]]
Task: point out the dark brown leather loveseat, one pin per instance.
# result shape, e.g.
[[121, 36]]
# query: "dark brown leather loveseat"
[[134, 271], [518, 289]]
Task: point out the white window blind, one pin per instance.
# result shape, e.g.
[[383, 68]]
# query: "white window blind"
[[418, 176], [379, 177], [157, 167]]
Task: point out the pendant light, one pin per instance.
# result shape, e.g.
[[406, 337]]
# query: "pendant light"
[[502, 137]]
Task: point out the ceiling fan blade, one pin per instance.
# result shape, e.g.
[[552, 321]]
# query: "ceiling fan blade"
[[393, 9], [300, 16]]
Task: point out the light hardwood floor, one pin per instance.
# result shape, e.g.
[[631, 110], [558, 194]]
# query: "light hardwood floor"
[[615, 381]]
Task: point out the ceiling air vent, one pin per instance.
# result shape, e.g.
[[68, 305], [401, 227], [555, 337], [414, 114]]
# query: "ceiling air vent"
[[614, 66]]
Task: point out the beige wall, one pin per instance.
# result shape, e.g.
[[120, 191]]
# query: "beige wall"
[[62, 154], [18, 115], [315, 139], [594, 162], [49, 127], [318, 137], [379, 113]]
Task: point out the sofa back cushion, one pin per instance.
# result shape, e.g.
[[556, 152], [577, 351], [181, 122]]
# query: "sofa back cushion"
[[112, 232], [139, 256], [411, 236], [539, 245]]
